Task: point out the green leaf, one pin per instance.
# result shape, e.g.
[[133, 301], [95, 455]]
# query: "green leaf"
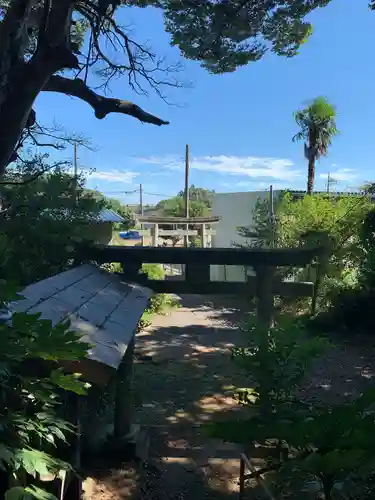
[[50, 439], [37, 462], [58, 433], [16, 493], [69, 382], [247, 395], [6, 456], [39, 494]]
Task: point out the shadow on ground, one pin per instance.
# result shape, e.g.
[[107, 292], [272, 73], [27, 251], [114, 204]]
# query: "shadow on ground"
[[184, 378]]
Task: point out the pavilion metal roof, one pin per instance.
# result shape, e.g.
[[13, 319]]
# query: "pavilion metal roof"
[[108, 215], [105, 215]]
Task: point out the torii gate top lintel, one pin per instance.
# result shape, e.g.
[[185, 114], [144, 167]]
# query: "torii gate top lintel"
[[153, 219]]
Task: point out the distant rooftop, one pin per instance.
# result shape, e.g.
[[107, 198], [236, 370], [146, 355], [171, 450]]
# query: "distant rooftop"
[[105, 215], [108, 215], [299, 193]]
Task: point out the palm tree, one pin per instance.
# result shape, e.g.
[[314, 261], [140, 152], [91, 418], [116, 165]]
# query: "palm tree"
[[318, 127]]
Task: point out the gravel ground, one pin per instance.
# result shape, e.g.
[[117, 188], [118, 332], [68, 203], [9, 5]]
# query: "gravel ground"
[[183, 378]]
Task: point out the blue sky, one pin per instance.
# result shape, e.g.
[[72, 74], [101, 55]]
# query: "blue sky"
[[239, 126]]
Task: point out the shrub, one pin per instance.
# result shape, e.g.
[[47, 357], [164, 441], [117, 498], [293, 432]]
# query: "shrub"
[[318, 220], [153, 271], [275, 362], [162, 302], [31, 424], [41, 224], [328, 445], [351, 306]]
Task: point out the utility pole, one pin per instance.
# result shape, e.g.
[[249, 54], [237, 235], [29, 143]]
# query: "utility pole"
[[330, 181], [272, 216], [187, 165], [141, 199], [141, 209], [75, 178]]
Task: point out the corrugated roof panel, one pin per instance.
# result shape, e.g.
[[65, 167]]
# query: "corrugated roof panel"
[[108, 215], [105, 215]]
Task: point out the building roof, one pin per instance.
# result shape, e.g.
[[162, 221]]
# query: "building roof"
[[108, 215], [105, 215], [297, 192], [102, 308], [334, 194]]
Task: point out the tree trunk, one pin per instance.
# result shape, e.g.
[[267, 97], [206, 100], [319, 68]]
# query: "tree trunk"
[[35, 44], [16, 103], [311, 175], [22, 80]]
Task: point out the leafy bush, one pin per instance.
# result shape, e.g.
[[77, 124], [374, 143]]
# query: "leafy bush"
[[334, 222], [328, 445], [153, 271], [161, 303], [352, 306], [145, 321], [334, 447], [275, 362], [32, 427], [318, 220], [41, 224]]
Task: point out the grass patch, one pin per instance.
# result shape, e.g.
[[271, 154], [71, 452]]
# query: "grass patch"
[[161, 303]]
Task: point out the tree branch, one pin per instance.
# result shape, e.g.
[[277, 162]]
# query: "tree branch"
[[101, 105], [35, 176]]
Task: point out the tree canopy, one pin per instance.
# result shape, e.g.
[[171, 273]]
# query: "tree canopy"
[[63, 45], [200, 203], [42, 221], [44, 216], [112, 203], [200, 194]]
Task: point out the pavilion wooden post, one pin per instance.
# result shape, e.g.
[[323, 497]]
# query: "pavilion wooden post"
[[123, 397], [155, 235], [186, 194], [74, 486], [203, 235]]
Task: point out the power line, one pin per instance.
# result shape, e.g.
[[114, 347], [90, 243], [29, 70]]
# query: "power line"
[[158, 194], [121, 192], [137, 191]]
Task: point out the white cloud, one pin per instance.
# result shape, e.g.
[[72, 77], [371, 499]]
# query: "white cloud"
[[341, 175], [247, 166], [123, 176], [245, 184]]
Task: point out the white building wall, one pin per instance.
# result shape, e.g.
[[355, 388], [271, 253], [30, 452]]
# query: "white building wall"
[[235, 210]]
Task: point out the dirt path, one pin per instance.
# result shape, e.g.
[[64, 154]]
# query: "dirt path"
[[188, 382], [184, 377]]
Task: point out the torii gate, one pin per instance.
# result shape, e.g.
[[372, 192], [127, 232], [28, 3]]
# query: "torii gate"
[[203, 232]]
